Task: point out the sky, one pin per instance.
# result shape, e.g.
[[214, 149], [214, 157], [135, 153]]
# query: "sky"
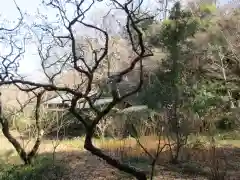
[[30, 63]]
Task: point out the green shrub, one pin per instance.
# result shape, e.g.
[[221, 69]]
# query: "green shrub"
[[226, 124], [43, 168], [231, 135]]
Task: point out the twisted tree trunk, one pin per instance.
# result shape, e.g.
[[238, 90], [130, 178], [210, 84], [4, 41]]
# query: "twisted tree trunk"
[[26, 157]]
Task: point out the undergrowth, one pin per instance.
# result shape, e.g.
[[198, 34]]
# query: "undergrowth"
[[42, 168]]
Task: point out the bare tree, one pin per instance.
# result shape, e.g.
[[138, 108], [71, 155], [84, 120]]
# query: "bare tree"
[[14, 49], [25, 156], [61, 35]]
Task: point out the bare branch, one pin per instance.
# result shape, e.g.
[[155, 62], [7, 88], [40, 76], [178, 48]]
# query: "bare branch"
[[20, 20], [33, 152], [50, 41]]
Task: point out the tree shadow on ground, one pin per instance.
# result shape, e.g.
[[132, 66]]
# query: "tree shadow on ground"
[[76, 165]]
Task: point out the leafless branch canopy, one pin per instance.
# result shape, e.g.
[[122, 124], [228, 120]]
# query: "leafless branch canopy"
[[12, 47], [59, 51]]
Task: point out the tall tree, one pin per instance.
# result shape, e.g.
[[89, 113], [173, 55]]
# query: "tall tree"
[[60, 35]]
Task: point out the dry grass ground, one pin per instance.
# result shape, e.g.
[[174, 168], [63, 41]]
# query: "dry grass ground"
[[79, 164]]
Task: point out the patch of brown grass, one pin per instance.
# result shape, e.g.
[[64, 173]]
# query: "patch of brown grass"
[[216, 158], [129, 148], [83, 164]]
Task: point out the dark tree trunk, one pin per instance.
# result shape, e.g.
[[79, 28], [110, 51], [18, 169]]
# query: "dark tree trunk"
[[21, 152], [26, 157], [139, 175]]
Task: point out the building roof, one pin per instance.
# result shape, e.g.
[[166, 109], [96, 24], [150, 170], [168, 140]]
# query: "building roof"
[[82, 104]]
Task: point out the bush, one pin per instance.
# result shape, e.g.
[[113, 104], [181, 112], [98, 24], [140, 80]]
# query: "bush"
[[233, 135], [42, 169], [226, 124]]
